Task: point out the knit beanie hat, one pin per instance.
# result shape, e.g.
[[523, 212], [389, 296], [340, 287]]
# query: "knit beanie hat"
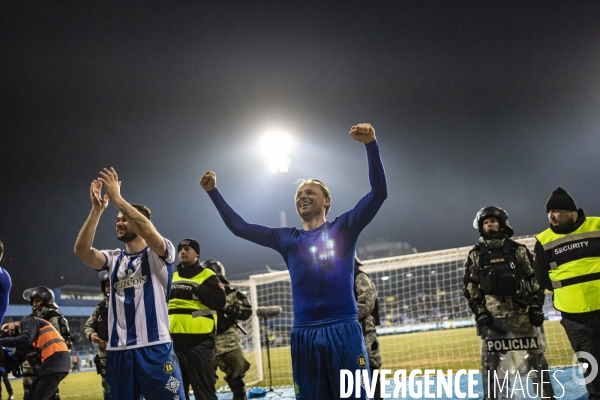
[[190, 242], [560, 200]]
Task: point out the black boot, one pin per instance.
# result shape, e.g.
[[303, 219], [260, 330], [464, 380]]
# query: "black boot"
[[238, 388]]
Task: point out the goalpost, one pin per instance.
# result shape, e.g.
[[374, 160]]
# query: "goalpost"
[[425, 320]]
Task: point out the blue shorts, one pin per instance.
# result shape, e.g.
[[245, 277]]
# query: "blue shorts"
[[152, 371], [320, 350]]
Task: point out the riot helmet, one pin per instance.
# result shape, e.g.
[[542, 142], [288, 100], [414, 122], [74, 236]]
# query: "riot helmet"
[[103, 278], [214, 266], [492, 211], [42, 291]]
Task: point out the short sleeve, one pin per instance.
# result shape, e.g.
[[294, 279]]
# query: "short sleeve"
[[110, 259]]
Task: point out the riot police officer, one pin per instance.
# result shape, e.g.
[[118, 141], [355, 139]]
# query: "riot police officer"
[[96, 327], [507, 301], [230, 356], [44, 307], [368, 316]]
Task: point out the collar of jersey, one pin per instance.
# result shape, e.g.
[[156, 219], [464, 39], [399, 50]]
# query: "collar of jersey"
[[135, 254], [324, 226]]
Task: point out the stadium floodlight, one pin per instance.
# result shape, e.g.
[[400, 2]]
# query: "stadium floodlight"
[[385, 278], [276, 148]]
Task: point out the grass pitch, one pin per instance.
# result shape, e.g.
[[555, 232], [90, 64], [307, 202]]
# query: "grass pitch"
[[445, 349], [442, 349]]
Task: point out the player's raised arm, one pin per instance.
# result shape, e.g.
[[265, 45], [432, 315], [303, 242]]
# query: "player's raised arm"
[[366, 208], [83, 245], [138, 222], [258, 234]]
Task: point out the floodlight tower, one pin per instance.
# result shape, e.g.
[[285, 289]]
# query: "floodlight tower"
[[276, 148]]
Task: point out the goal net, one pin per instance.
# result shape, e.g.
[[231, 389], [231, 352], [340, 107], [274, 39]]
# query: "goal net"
[[426, 322]]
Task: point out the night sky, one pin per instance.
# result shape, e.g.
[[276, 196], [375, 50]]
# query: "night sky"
[[474, 104]]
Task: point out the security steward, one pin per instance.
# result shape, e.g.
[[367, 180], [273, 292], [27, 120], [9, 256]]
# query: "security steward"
[[568, 263], [507, 301], [96, 328], [195, 293], [43, 305], [44, 348], [230, 355]]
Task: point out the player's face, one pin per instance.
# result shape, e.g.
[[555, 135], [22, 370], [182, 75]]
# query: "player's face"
[[9, 328], [187, 255], [37, 302], [491, 224], [562, 218], [310, 201], [124, 232], [107, 287]]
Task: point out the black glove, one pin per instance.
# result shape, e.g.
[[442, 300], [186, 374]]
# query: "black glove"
[[484, 318], [536, 316], [17, 371]]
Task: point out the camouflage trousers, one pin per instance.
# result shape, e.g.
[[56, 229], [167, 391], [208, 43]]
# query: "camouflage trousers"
[[372, 344], [233, 364], [100, 361], [512, 347]]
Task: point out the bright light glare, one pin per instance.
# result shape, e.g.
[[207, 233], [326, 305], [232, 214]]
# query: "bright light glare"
[[276, 149], [385, 278]]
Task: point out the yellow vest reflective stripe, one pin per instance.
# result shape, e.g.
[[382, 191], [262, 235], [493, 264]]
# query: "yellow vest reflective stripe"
[[188, 315], [574, 266]]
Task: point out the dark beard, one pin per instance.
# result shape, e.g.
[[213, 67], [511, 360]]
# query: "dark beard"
[[128, 237]]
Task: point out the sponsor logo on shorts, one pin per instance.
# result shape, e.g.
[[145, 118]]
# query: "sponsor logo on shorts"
[[168, 367], [361, 361], [527, 343], [172, 384]]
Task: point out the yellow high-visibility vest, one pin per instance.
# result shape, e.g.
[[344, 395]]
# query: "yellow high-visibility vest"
[[188, 315], [574, 266]]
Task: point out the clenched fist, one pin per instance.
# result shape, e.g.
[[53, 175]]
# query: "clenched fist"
[[364, 133], [208, 181]]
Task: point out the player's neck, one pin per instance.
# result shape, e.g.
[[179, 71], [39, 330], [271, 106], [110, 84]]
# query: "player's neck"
[[135, 246], [314, 222]]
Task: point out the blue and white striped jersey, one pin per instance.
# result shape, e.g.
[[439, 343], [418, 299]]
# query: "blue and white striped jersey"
[[140, 285]]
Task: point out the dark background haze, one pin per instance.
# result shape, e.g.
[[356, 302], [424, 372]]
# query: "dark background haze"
[[474, 104]]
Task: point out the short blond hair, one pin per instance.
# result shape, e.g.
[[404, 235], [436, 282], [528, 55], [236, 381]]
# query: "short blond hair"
[[324, 189]]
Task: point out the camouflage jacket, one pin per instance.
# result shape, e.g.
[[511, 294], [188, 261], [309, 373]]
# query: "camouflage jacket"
[[228, 340], [58, 321], [366, 294], [500, 306], [91, 325]]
